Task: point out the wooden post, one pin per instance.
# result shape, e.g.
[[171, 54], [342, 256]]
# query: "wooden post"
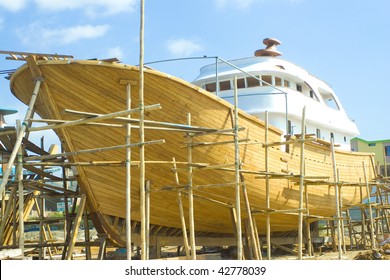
[[76, 225], [301, 184], [20, 136], [373, 245], [237, 174], [183, 224], [41, 207], [267, 189], [333, 235], [258, 242], [86, 236], [250, 227], [190, 193], [363, 217], [350, 229], [336, 190]]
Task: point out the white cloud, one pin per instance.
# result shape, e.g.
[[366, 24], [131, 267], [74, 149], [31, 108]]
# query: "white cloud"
[[91, 7], [182, 47], [116, 52], [13, 5], [59, 36]]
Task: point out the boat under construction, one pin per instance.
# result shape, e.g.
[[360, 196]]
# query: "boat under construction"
[[193, 144]]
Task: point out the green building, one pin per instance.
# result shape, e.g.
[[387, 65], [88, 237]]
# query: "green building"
[[381, 148]]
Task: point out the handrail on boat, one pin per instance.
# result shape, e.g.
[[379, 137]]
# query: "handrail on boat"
[[219, 59]]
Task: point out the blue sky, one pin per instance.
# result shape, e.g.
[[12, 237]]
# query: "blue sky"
[[346, 43]]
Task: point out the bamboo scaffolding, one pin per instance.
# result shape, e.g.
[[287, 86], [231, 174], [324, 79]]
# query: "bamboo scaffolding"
[[373, 244], [20, 135], [19, 172], [76, 225], [301, 184], [128, 175], [142, 133], [237, 174], [267, 189], [183, 225], [104, 149], [337, 201], [179, 127], [95, 119], [189, 189]]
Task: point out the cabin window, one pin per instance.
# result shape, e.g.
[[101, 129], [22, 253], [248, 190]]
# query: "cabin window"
[[267, 79], [225, 85], [331, 135], [318, 133], [371, 144], [286, 83], [241, 83], [278, 81], [252, 82], [299, 88], [387, 151], [211, 87], [345, 139]]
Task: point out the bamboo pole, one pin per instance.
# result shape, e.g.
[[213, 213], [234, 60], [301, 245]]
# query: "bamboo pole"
[[363, 217], [76, 225], [309, 247], [385, 161], [301, 184], [156, 124], [19, 172], [373, 244], [336, 187], [183, 225], [95, 119], [350, 229], [267, 189], [142, 132], [128, 176], [6, 214], [190, 193], [20, 136], [237, 174], [147, 214], [341, 214], [104, 149]]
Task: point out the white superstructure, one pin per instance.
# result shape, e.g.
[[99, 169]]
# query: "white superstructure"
[[267, 83]]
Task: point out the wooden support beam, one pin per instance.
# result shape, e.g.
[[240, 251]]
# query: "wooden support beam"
[[76, 225], [183, 225]]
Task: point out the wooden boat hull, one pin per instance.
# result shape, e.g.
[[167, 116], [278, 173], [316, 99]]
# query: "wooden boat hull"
[[95, 86]]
